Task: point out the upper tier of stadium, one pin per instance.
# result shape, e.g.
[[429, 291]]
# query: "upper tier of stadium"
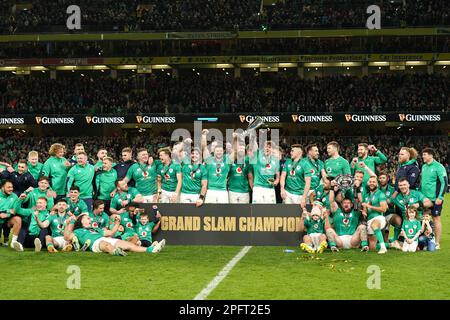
[[32, 16], [218, 91]]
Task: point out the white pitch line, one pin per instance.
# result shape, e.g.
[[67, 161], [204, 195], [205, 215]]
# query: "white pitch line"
[[222, 274]]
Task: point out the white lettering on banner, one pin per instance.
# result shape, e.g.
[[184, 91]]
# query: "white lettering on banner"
[[250, 118], [148, 119], [105, 120], [312, 118], [365, 118], [420, 117], [48, 120], [12, 121]]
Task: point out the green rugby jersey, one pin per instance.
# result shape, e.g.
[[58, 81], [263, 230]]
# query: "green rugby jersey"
[[314, 226], [105, 182], [238, 177], [295, 180], [193, 174], [433, 180], [335, 167], [145, 177], [168, 174], [82, 176], [345, 223], [55, 169], [264, 168]]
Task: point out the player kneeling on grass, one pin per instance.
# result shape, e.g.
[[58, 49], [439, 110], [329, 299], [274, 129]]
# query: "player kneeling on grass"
[[145, 228], [374, 206], [347, 234], [99, 240], [57, 223], [315, 239], [34, 236], [411, 230]]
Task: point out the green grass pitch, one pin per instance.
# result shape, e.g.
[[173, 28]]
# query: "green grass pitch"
[[181, 272]]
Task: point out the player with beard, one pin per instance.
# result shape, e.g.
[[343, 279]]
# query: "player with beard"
[[123, 166], [346, 233], [9, 204], [389, 190], [408, 167], [313, 171], [101, 154], [56, 168], [292, 180], [335, 164], [374, 206], [82, 175], [370, 161], [57, 223]]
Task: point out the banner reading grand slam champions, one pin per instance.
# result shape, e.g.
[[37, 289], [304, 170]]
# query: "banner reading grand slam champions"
[[156, 119]]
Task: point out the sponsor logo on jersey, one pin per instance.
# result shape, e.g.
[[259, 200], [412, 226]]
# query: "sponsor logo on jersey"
[[345, 221], [144, 234], [129, 225], [95, 225], [239, 170]]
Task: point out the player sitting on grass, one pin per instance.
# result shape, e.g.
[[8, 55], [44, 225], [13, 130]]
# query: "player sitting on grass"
[[346, 233], [99, 240], [427, 240], [411, 230], [315, 239], [57, 223], [144, 228]]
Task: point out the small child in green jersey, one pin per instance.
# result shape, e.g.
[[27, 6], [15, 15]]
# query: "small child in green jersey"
[[411, 230], [145, 227], [315, 239]]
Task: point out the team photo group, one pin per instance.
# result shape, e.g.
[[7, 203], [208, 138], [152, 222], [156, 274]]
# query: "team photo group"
[[76, 203]]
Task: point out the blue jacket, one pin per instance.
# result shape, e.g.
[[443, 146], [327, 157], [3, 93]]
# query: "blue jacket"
[[411, 171]]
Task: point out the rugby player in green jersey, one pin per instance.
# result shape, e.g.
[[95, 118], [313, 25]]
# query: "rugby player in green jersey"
[[124, 195], [105, 181], [169, 177], [292, 182], [99, 240], [195, 183], [217, 169], [315, 239], [37, 228], [335, 164], [238, 180], [43, 190], [374, 206], [76, 205], [266, 173], [434, 184], [9, 204], [346, 233], [145, 174], [101, 154], [33, 165], [57, 222], [82, 175], [313, 171], [56, 168], [389, 192], [370, 161], [412, 228], [99, 218]]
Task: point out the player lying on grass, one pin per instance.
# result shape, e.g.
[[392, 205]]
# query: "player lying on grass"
[[127, 220], [57, 222], [315, 239], [99, 240], [346, 232]]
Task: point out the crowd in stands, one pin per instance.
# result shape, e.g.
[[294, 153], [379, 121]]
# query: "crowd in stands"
[[140, 15], [343, 45], [217, 92]]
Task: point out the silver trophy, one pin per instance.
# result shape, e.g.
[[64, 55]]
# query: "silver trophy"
[[345, 181], [254, 125]]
